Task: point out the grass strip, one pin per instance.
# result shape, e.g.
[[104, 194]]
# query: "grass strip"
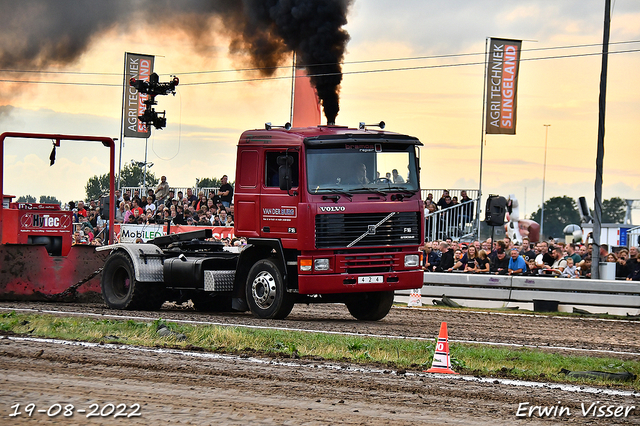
[[397, 354]]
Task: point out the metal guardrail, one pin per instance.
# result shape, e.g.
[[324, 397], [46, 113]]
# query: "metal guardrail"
[[624, 294], [457, 222], [633, 237]]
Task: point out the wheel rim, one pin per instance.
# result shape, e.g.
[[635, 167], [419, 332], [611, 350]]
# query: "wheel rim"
[[121, 282], [263, 290]]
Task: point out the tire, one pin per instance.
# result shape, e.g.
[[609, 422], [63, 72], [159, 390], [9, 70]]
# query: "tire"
[[204, 302], [266, 294], [121, 290], [370, 306]]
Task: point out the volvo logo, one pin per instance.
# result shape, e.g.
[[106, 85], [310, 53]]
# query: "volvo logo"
[[332, 208]]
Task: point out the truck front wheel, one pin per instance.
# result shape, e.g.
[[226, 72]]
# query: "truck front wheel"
[[266, 293], [370, 306], [121, 290]]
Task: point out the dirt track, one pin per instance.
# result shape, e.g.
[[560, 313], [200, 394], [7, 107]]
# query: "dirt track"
[[174, 388]]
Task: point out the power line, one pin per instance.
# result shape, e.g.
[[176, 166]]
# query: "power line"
[[407, 58], [413, 68]]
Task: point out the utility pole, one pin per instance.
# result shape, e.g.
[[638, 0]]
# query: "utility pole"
[[597, 207], [544, 177]]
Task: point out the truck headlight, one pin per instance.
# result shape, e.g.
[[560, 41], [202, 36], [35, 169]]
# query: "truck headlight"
[[321, 264], [412, 261], [305, 265]]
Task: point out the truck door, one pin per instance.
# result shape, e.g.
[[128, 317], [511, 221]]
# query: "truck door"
[[279, 208]]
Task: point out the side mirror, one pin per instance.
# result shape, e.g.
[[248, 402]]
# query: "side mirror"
[[284, 172]]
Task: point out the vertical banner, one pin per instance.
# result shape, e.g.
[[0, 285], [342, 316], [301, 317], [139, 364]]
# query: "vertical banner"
[[139, 67], [502, 84]]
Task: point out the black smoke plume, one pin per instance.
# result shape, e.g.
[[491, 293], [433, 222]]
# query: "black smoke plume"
[[38, 34]]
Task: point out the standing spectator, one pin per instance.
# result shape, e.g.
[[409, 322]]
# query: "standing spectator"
[[446, 257], [202, 200], [517, 264], [432, 258], [544, 258], [179, 219], [634, 267], [467, 210], [81, 210], [482, 262], [525, 250], [180, 198], [119, 218], [604, 251], [585, 267], [559, 263], [136, 196], [136, 208], [632, 261], [431, 220], [224, 219], [441, 201], [621, 263], [583, 252], [150, 205], [501, 263], [127, 213], [191, 198], [226, 192], [571, 252], [470, 264], [162, 191], [151, 194], [215, 198]]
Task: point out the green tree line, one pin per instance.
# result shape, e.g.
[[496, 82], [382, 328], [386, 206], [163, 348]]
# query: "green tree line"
[[562, 211]]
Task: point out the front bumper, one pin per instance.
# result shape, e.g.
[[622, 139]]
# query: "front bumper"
[[349, 283]]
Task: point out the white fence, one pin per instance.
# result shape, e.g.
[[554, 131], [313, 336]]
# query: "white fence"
[[175, 189]]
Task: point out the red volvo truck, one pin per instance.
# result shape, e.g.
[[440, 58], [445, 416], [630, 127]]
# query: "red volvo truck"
[[331, 215]]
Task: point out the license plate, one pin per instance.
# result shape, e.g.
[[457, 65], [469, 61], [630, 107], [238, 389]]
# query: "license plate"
[[374, 279]]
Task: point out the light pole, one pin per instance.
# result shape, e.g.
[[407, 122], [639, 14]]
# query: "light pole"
[[146, 165], [544, 177]]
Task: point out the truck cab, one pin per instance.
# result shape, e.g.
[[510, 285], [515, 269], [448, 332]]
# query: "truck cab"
[[340, 206]]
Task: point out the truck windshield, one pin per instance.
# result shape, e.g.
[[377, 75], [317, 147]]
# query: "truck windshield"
[[361, 167]]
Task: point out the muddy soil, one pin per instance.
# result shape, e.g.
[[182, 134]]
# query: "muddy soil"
[[174, 388]]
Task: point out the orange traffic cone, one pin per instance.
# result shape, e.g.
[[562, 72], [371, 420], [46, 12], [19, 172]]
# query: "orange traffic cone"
[[441, 359]]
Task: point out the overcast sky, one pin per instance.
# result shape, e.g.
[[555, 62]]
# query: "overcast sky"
[[439, 100]]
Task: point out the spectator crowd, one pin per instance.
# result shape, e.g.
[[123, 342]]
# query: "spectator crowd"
[[159, 206], [503, 257]]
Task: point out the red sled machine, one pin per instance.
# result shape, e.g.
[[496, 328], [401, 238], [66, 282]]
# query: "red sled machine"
[[37, 258]]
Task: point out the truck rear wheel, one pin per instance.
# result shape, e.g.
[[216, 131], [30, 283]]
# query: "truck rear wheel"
[[371, 306], [266, 293], [121, 290]]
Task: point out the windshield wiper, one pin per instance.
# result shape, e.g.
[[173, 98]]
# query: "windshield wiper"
[[401, 189], [374, 190], [334, 191]]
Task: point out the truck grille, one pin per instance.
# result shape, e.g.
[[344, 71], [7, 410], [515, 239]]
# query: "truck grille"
[[340, 230]]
